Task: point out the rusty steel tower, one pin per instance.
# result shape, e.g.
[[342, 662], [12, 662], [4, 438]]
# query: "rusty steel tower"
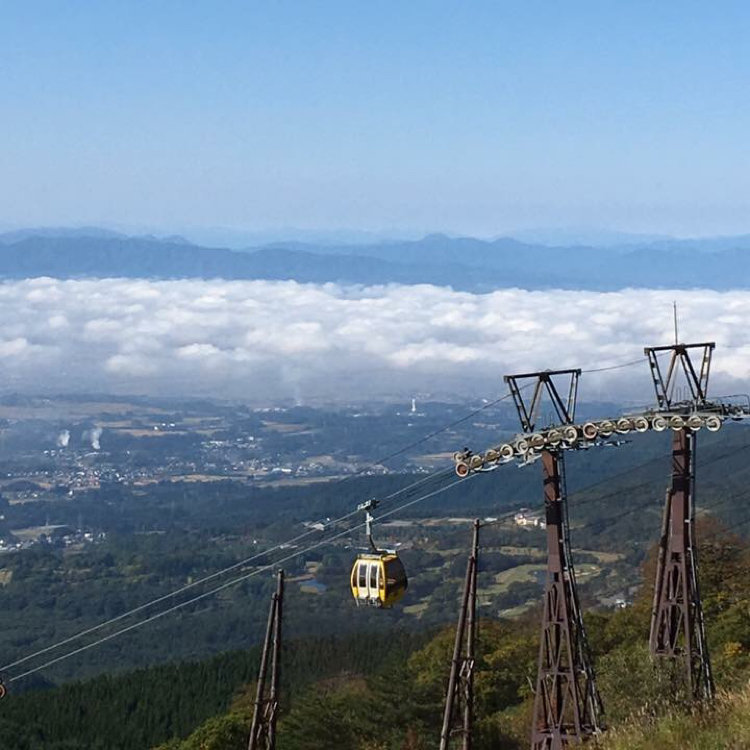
[[266, 709], [677, 625], [567, 706]]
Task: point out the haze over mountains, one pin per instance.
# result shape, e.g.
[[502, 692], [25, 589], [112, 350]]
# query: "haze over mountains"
[[465, 264]]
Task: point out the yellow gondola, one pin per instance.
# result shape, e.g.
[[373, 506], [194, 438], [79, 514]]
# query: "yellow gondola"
[[378, 577]]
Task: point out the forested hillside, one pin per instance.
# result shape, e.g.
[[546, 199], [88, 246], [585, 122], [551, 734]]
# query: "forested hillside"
[[642, 701], [144, 707], [383, 690]]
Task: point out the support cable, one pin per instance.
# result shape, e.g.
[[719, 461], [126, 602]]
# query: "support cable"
[[299, 537], [228, 584], [217, 574], [281, 545], [494, 402]]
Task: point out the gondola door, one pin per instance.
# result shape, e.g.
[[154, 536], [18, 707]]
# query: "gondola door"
[[373, 581], [362, 577]]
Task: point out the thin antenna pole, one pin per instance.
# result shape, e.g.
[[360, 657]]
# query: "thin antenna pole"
[[674, 310]]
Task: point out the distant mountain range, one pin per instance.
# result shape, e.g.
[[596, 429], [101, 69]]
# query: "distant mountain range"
[[463, 263]]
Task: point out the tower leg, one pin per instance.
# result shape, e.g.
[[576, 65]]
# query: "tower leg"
[[566, 704], [677, 628]]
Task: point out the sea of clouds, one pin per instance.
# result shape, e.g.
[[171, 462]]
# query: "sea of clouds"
[[263, 340]]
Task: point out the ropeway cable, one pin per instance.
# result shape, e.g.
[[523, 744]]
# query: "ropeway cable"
[[211, 576], [494, 402], [641, 485], [281, 545], [248, 560], [606, 522], [607, 368], [232, 582], [448, 426]]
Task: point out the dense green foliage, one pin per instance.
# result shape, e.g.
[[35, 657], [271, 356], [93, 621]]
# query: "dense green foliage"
[[388, 694], [141, 708], [400, 707]]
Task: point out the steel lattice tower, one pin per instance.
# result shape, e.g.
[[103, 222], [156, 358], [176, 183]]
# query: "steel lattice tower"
[[567, 706], [677, 625]]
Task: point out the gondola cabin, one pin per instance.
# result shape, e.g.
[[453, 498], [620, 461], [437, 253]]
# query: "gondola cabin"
[[378, 579]]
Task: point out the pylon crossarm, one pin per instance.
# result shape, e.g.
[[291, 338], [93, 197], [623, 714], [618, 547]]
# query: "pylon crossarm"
[[544, 382], [680, 361], [694, 413], [526, 448]]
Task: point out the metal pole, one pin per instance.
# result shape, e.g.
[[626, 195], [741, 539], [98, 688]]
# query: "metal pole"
[[273, 697], [661, 557], [257, 722], [471, 631], [455, 663]]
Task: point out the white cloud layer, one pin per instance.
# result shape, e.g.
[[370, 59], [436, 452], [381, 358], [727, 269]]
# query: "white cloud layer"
[[263, 340]]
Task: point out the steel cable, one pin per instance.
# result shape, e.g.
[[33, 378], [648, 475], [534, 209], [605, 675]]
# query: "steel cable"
[[226, 585], [210, 577]]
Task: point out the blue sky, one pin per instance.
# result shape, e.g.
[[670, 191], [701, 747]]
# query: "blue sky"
[[477, 117]]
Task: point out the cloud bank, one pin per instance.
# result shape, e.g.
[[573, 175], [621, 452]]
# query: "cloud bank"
[[260, 340]]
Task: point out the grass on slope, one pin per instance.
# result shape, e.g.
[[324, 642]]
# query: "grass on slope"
[[723, 726]]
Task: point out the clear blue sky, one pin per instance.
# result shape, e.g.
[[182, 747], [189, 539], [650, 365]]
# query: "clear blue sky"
[[476, 117]]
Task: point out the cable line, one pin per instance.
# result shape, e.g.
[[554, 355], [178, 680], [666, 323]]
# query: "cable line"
[[434, 476], [445, 428], [607, 368], [234, 566], [489, 404], [387, 457], [227, 584], [193, 584], [631, 470]]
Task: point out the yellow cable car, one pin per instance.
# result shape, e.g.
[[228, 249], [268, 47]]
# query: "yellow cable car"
[[378, 578]]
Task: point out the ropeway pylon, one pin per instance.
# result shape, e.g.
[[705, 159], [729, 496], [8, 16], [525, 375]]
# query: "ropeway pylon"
[[567, 706], [459, 700], [266, 708], [677, 626]]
